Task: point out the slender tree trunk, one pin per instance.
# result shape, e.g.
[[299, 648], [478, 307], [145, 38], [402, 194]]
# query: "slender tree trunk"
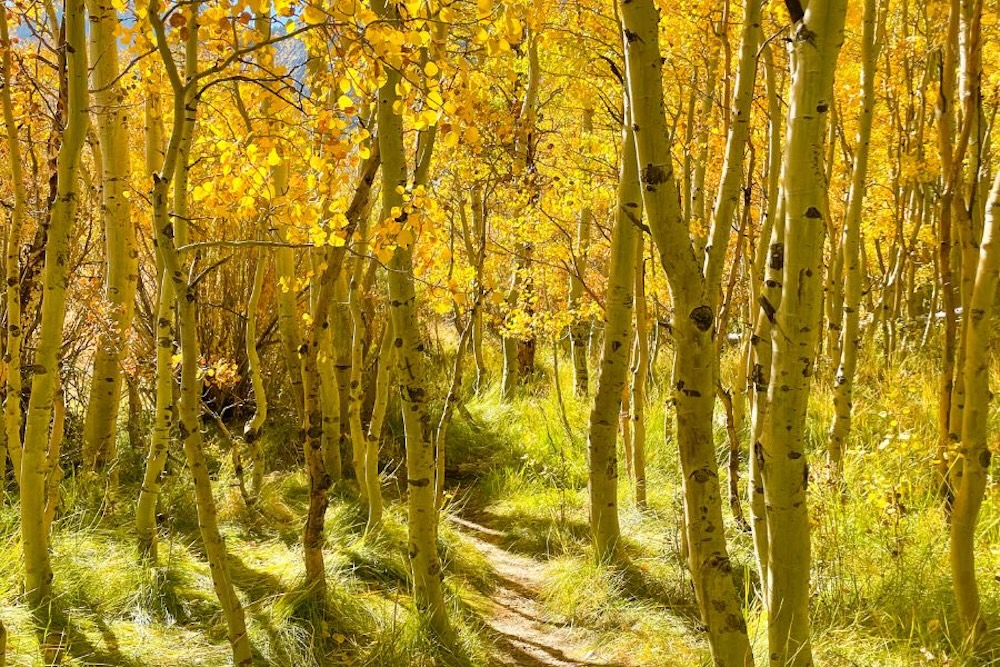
[[785, 473], [54, 474], [374, 434], [695, 363], [422, 515], [640, 374], [580, 328], [950, 167], [603, 435], [850, 245], [12, 270], [100, 426], [174, 171], [975, 451], [286, 297], [447, 412], [356, 394], [251, 430], [45, 378], [163, 419]]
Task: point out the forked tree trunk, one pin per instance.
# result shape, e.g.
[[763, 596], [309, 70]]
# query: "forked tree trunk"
[[695, 363]]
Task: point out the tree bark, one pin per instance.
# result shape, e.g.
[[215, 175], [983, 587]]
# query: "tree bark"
[[603, 435]]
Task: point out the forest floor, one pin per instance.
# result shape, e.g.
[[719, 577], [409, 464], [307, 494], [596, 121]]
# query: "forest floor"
[[525, 635]]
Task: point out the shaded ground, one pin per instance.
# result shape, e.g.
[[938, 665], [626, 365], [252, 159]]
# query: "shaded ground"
[[524, 635]]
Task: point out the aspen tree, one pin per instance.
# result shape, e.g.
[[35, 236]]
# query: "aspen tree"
[[329, 390], [251, 430], [12, 266], [966, 204], [356, 395], [121, 255], [316, 420], [771, 246], [479, 225], [474, 240], [509, 343], [817, 36], [448, 411], [163, 420], [728, 196], [174, 172], [850, 245], [478, 257], [287, 295], [422, 515], [579, 332], [640, 375], [974, 451], [314, 427], [518, 353], [45, 380], [374, 434], [54, 473], [603, 434], [950, 168], [695, 370], [979, 280]]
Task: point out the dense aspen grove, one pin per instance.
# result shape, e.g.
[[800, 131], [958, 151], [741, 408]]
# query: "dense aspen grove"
[[622, 333]]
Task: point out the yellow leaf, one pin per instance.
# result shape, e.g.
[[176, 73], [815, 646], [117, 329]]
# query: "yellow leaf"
[[313, 16], [273, 159], [431, 69], [345, 102], [451, 139]]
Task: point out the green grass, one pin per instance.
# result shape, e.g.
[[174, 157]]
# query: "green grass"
[[881, 580]]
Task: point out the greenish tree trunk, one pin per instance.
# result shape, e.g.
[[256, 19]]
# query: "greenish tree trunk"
[[603, 435]]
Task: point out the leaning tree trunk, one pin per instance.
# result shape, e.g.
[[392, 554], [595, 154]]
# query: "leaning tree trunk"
[[603, 436], [170, 234]]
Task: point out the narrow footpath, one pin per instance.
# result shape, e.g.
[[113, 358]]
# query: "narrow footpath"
[[525, 636]]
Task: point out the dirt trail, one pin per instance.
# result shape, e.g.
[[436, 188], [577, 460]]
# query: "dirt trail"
[[525, 637]]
